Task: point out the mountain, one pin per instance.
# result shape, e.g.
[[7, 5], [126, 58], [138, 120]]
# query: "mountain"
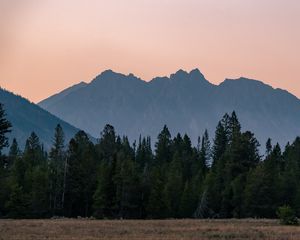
[[57, 97], [27, 117], [185, 101]]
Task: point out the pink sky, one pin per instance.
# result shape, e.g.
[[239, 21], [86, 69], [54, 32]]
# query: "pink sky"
[[48, 45]]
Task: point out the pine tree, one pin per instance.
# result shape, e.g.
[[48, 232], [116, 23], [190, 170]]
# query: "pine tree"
[[104, 193], [81, 176], [104, 197], [188, 157], [262, 192], [188, 201], [156, 205], [234, 126], [6, 175], [57, 162], [14, 150], [290, 194], [33, 176], [268, 146], [163, 147], [108, 144], [33, 153], [5, 127], [39, 201], [205, 151], [215, 180], [173, 187], [130, 194], [144, 156], [220, 145]]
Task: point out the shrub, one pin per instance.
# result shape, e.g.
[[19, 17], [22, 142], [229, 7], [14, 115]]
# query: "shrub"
[[287, 215]]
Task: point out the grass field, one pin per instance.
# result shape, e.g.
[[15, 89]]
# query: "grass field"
[[71, 229]]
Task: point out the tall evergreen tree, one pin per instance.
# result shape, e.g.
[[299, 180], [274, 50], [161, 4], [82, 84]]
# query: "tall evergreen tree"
[[205, 151], [163, 147], [173, 187], [107, 146], [57, 168], [5, 127], [215, 180], [105, 195], [144, 156], [262, 192], [14, 150], [156, 207], [81, 176], [32, 172], [268, 146]]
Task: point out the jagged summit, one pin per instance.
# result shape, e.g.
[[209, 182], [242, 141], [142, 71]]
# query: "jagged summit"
[[194, 74], [110, 75], [179, 75], [185, 101]]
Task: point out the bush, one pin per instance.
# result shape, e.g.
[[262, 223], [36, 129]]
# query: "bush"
[[287, 215]]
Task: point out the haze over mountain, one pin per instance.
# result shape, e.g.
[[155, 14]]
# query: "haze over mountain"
[[27, 117], [186, 102]]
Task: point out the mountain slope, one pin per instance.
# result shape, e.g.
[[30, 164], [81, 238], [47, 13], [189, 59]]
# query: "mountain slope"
[[27, 117], [55, 98], [186, 102]]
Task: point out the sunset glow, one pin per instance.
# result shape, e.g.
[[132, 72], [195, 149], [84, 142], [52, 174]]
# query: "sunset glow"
[[48, 45]]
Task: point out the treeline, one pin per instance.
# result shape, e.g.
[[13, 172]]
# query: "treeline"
[[114, 179]]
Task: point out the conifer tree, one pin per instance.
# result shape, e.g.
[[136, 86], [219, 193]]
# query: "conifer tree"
[[104, 193], [14, 150], [262, 192], [268, 146], [205, 151], [156, 207], [57, 162], [5, 127], [173, 187], [81, 176], [163, 147]]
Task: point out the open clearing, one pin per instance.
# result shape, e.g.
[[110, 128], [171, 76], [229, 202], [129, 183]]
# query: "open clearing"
[[73, 229]]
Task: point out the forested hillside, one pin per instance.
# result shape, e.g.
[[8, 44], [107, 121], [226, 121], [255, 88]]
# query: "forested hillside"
[[27, 117], [113, 179]]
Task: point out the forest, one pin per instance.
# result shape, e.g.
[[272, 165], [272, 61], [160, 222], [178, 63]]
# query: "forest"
[[226, 176]]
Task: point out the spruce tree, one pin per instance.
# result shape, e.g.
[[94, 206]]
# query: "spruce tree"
[[5, 127], [57, 168], [163, 147], [268, 146], [156, 207], [263, 189], [173, 187], [205, 151], [81, 176]]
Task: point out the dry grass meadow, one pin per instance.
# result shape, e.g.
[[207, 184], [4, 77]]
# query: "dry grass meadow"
[[81, 229]]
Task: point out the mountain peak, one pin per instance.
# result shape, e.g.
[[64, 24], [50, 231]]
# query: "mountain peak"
[[180, 74], [107, 75], [184, 100], [195, 73], [110, 73]]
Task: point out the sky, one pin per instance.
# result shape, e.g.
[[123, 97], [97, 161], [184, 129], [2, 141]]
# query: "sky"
[[49, 45]]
